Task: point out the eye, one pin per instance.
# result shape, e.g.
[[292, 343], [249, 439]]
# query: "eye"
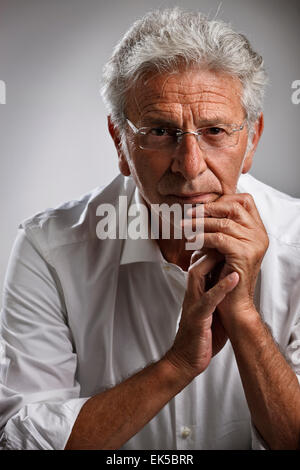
[[214, 130], [163, 132], [158, 131]]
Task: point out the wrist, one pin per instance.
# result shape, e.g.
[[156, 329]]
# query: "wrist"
[[181, 374], [246, 323]]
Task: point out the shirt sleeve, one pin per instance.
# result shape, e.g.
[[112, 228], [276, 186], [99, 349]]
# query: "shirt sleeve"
[[39, 395], [291, 354]]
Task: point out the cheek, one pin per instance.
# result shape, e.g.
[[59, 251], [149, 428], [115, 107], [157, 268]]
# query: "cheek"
[[149, 169], [227, 170]]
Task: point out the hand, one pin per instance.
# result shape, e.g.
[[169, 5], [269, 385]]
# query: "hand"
[[233, 227], [200, 334]]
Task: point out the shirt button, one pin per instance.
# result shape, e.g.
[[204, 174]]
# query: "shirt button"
[[185, 432]]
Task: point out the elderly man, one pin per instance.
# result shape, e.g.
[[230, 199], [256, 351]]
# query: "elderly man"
[[141, 343]]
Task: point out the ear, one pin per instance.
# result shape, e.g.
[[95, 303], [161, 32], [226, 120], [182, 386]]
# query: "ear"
[[258, 130], [115, 134]]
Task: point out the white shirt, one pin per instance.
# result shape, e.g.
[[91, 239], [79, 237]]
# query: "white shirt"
[[82, 314]]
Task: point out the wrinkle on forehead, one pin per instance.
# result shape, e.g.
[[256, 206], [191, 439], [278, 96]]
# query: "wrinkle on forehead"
[[204, 91]]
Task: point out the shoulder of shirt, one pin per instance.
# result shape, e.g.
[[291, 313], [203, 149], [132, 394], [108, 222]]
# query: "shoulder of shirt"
[[74, 221], [279, 212]]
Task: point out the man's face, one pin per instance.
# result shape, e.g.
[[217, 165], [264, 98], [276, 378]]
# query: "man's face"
[[187, 100]]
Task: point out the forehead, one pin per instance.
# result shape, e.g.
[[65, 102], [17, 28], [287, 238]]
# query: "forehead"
[[193, 94]]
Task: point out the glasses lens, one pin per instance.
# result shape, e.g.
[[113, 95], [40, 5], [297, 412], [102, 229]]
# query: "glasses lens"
[[218, 137], [158, 138]]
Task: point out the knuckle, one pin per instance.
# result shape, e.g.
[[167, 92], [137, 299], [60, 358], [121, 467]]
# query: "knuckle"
[[220, 237], [235, 208], [208, 208], [224, 223], [206, 299], [247, 200], [204, 302]]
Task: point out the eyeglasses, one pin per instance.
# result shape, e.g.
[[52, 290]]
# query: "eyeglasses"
[[167, 138]]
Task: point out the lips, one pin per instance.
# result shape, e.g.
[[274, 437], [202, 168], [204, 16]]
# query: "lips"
[[192, 195], [196, 197]]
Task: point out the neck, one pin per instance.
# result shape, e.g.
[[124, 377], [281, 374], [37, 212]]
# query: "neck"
[[173, 249], [174, 252]]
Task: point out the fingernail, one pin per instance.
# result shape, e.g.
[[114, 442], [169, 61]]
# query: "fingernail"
[[233, 276]]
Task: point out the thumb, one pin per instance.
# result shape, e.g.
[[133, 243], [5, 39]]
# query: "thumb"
[[210, 299]]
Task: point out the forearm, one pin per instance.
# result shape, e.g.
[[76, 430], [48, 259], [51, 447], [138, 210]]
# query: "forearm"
[[111, 418], [271, 387]]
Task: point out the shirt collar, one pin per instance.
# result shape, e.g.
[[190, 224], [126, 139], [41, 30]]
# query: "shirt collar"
[[141, 249]]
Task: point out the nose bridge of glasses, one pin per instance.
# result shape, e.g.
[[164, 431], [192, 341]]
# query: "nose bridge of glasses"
[[197, 134], [190, 145], [189, 156]]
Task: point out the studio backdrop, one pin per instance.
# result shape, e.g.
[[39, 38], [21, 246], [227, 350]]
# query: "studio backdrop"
[[54, 143]]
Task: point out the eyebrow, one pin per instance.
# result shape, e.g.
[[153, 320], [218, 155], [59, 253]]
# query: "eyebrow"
[[160, 121]]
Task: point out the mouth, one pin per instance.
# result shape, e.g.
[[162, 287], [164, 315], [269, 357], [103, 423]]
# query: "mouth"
[[194, 198]]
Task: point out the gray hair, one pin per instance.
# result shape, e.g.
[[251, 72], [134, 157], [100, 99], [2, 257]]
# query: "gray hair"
[[165, 40]]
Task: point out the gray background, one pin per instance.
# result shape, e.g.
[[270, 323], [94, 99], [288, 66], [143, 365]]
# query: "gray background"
[[54, 145]]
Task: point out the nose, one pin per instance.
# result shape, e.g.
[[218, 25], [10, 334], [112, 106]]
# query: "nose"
[[188, 158]]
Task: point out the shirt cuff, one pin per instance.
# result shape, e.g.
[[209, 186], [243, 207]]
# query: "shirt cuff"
[[41, 426]]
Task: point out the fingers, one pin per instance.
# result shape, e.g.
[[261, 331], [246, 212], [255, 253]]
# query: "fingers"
[[225, 244], [247, 250], [244, 199], [226, 226], [229, 209], [211, 299], [205, 260], [202, 264], [238, 207]]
